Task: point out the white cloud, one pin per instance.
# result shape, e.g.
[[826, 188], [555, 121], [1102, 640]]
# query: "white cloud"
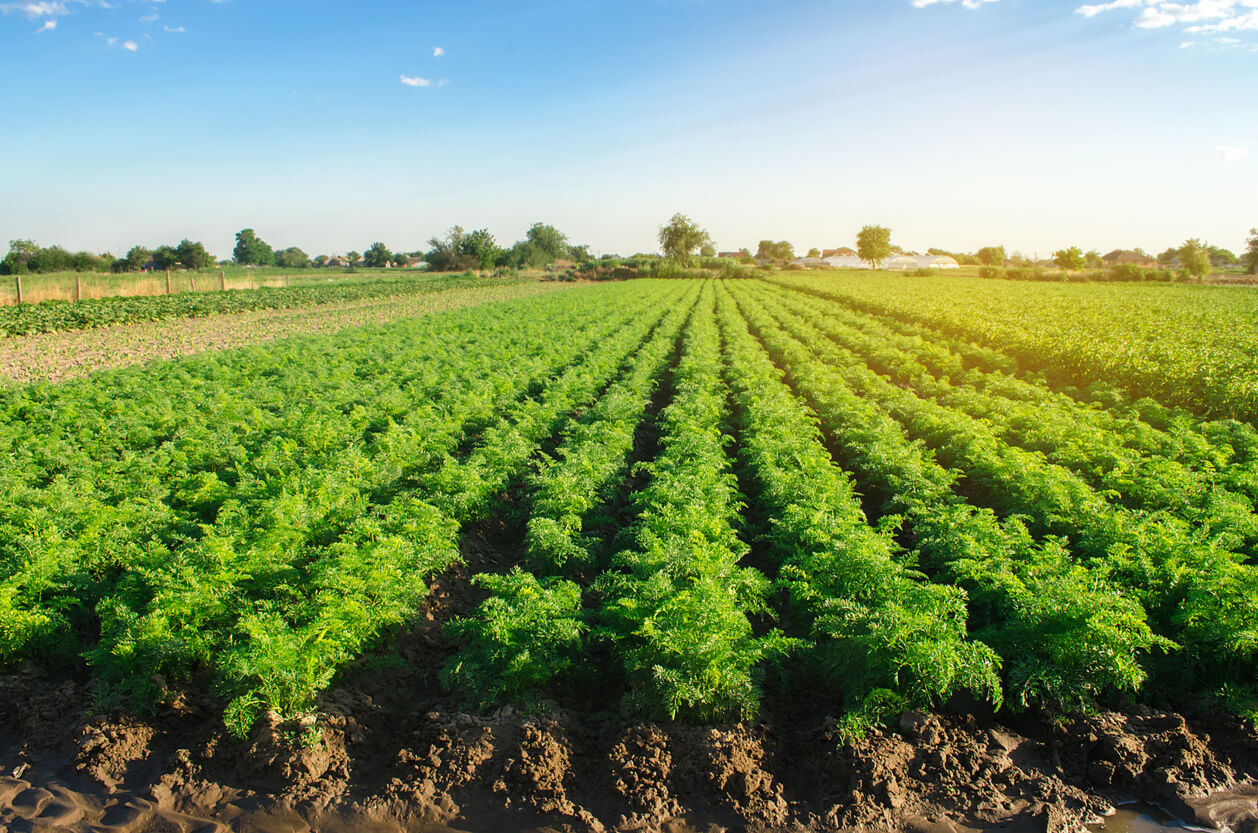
[[48, 26], [1232, 153], [969, 4], [416, 81], [437, 52], [173, 29], [1196, 17], [130, 46], [1094, 10], [34, 10], [148, 18]]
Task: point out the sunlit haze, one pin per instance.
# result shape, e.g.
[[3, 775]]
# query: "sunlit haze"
[[330, 125]]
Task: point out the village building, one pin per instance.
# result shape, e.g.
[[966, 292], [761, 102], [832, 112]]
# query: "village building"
[[1120, 257]]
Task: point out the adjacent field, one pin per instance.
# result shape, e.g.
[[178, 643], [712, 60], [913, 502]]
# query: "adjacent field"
[[60, 316], [662, 497], [56, 356]]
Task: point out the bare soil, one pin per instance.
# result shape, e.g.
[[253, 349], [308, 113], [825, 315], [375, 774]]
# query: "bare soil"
[[394, 752]]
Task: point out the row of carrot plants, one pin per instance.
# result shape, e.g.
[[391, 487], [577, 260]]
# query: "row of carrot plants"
[[1065, 632], [307, 489], [875, 630], [1187, 346], [111, 483], [1127, 476], [676, 602], [1196, 591], [284, 649], [1222, 447], [533, 629]]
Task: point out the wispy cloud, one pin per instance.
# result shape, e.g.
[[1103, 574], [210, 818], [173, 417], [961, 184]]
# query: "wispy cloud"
[[34, 10], [148, 18], [48, 26], [437, 52], [969, 4], [1197, 17], [1232, 153], [130, 46], [173, 29], [1097, 8], [416, 81]]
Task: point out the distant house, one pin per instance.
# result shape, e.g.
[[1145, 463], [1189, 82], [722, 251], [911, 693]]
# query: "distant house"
[[810, 262], [413, 263], [1119, 257], [734, 255], [337, 262], [842, 252]]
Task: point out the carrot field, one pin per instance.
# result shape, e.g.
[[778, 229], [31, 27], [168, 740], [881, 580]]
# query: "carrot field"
[[896, 489]]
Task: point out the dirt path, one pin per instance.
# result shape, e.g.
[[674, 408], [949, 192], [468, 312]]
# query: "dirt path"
[[57, 356]]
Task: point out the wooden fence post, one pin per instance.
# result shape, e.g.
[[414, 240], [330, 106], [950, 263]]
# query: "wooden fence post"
[[78, 288], [167, 281], [222, 281], [287, 282], [192, 282], [19, 288]]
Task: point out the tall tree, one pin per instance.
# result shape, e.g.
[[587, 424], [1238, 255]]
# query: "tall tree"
[[1250, 257], [779, 252], [480, 244], [136, 257], [991, 255], [1093, 260], [251, 250], [165, 257], [814, 252], [18, 260], [377, 256], [548, 240], [1195, 257], [292, 258], [192, 255], [681, 237], [873, 245], [1069, 259]]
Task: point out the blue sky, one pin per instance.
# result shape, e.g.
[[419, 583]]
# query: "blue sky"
[[329, 125]]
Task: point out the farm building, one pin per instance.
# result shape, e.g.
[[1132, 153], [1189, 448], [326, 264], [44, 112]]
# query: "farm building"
[[899, 263], [810, 262], [1120, 256], [937, 262], [840, 252], [847, 262]]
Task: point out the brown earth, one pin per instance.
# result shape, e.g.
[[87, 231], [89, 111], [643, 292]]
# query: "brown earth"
[[393, 751], [56, 356]]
